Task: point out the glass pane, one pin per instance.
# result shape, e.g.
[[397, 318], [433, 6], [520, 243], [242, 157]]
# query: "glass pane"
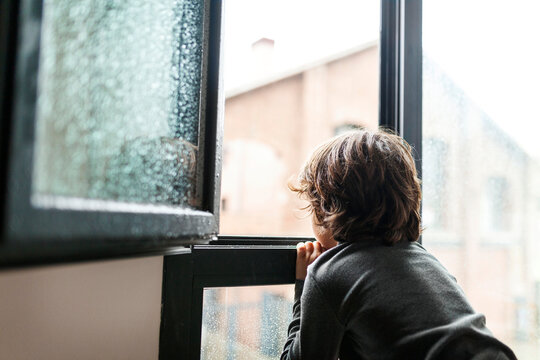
[[296, 73], [481, 165], [118, 102], [245, 322]]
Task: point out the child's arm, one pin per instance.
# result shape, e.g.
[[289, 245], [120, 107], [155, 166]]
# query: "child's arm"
[[314, 332]]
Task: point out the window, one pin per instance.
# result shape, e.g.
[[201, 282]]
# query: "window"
[[435, 158], [110, 142], [258, 260], [497, 206], [245, 321], [117, 113], [287, 89], [478, 96], [338, 130], [210, 309]]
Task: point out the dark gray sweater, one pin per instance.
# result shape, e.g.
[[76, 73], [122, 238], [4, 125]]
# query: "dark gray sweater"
[[385, 302]]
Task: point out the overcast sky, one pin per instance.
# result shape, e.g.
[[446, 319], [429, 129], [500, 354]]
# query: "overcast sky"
[[488, 47], [491, 49]]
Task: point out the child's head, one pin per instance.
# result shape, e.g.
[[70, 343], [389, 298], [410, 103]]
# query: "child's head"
[[362, 186]]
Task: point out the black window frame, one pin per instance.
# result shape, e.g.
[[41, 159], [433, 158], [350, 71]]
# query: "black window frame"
[[251, 260], [31, 235], [400, 91], [186, 275]]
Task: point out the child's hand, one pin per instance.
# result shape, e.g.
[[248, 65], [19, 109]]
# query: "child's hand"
[[306, 253]]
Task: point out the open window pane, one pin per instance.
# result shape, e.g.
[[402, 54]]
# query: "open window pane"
[[295, 74], [118, 101], [112, 124], [481, 168], [245, 322]]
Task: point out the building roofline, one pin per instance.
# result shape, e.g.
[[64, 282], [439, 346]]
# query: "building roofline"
[[272, 78]]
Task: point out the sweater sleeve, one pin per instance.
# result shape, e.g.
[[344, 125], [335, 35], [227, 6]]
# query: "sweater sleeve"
[[314, 332]]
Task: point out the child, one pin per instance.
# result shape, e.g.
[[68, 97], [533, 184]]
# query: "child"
[[373, 291]]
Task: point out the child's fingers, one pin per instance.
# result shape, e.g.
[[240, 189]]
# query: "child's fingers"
[[302, 258], [317, 249], [300, 251], [309, 247], [306, 253]]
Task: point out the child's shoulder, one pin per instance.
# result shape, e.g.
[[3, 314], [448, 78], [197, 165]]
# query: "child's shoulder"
[[348, 262], [335, 264]]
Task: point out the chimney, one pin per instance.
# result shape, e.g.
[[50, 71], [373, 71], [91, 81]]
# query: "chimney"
[[263, 56]]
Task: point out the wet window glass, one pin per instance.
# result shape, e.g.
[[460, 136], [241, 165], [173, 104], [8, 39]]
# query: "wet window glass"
[[118, 101], [481, 158], [245, 322]]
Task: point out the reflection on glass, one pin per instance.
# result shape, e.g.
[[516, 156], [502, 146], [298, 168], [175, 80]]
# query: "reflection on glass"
[[245, 322], [288, 88], [118, 102], [481, 169]]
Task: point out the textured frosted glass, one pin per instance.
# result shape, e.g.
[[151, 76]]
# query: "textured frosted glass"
[[118, 103], [245, 322]]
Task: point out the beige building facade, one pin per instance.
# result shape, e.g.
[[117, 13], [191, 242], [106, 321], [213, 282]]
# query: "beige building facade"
[[272, 125]]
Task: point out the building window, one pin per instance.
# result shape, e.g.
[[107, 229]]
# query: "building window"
[[341, 129], [497, 204], [434, 184]]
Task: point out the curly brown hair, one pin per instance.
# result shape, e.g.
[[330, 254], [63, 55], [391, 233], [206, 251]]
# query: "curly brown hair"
[[363, 186]]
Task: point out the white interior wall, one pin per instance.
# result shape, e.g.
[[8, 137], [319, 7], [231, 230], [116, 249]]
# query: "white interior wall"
[[93, 310]]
